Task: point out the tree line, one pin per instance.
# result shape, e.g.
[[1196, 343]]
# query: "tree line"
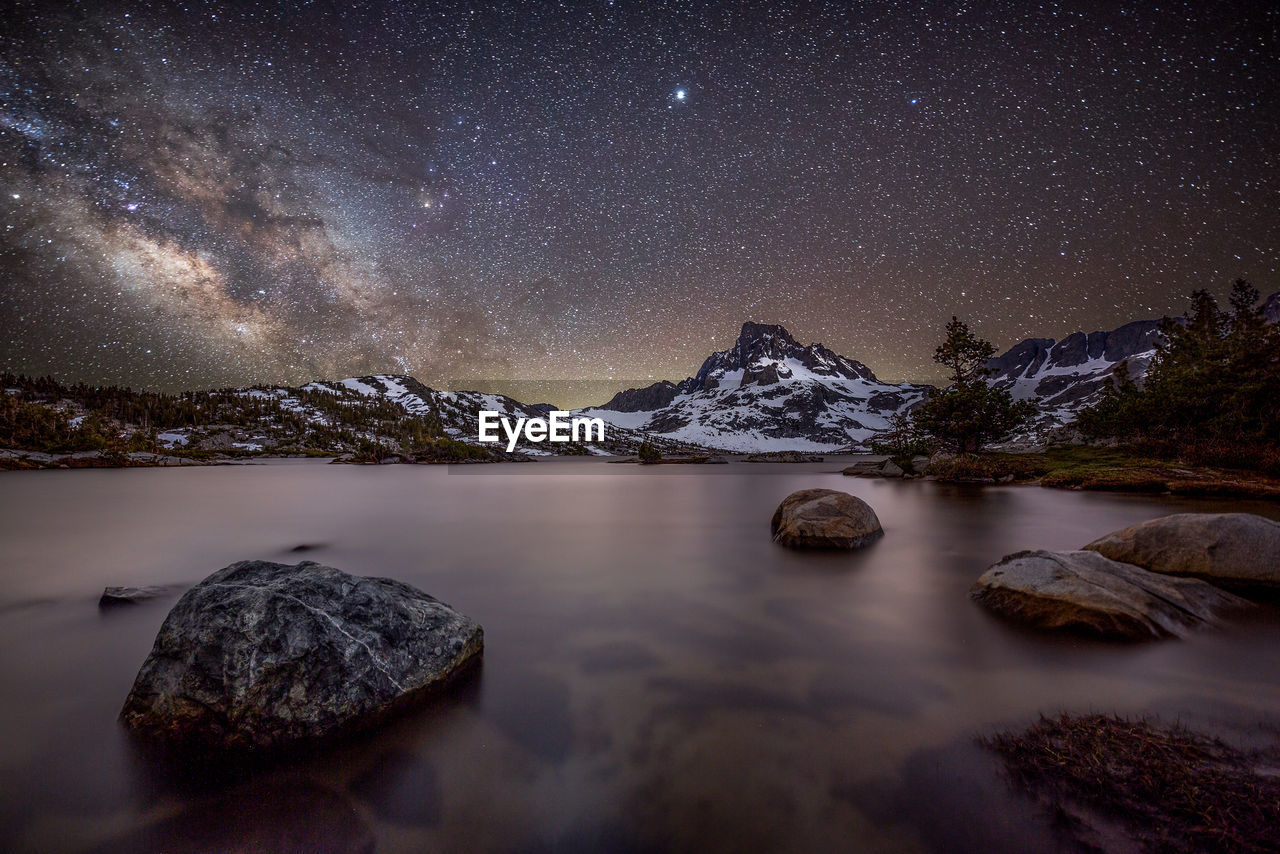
[[1210, 394]]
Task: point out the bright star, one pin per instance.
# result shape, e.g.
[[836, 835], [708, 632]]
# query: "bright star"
[[679, 94]]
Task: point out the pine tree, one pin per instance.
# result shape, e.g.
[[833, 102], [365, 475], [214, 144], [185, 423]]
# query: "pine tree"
[[1211, 389], [969, 413], [648, 452]]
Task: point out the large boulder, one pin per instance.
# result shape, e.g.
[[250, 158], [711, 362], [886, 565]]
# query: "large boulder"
[[824, 519], [1083, 591], [1238, 551], [260, 654]]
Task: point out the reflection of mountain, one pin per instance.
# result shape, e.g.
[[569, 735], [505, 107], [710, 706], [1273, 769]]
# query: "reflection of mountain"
[[765, 393]]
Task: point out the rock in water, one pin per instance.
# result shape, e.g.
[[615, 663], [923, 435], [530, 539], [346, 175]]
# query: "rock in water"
[[1085, 592], [824, 519], [864, 468], [1234, 550], [112, 596], [260, 654]]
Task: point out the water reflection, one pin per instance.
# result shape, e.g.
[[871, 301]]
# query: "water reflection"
[[657, 676]]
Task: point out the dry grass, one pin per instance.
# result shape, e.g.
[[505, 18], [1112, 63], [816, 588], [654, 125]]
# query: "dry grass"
[[1115, 470], [1172, 789], [1106, 469], [989, 467]]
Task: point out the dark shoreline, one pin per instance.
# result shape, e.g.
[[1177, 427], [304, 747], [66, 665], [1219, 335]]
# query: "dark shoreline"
[[1117, 475]]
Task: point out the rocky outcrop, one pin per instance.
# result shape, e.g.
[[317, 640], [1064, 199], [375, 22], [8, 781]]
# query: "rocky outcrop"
[[1238, 551], [886, 468], [1084, 592], [260, 654], [824, 519], [864, 468]]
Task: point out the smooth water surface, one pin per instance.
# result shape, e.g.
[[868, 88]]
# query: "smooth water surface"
[[658, 676]]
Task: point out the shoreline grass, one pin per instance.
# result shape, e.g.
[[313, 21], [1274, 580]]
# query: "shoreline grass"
[[1105, 469]]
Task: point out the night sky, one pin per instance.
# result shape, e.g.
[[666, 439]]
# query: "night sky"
[[203, 194]]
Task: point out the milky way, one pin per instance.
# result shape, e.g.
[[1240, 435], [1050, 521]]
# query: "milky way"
[[228, 193]]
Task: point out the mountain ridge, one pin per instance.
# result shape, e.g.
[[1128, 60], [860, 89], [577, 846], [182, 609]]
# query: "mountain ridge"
[[1063, 376], [766, 392]]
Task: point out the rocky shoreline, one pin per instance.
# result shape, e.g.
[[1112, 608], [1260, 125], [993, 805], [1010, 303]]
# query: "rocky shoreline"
[[14, 460]]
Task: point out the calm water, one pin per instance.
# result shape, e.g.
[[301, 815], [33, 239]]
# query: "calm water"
[[658, 676]]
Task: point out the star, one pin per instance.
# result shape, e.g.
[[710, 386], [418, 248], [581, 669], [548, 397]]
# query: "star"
[[464, 203]]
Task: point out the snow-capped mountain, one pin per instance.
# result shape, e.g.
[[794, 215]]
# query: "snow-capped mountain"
[[340, 415], [459, 413], [767, 392], [1065, 376]]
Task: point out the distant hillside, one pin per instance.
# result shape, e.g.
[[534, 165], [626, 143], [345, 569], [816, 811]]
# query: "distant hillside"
[[368, 419]]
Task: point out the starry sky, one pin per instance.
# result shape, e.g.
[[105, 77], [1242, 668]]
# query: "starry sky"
[[203, 194]]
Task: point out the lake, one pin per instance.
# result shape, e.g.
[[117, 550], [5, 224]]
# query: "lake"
[[657, 674]]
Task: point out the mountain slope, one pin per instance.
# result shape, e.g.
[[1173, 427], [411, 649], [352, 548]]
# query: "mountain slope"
[[1066, 376], [767, 392]]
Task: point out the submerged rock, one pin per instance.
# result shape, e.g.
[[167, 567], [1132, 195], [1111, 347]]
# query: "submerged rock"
[[260, 654], [1234, 550], [112, 596], [824, 519], [277, 816], [1085, 592]]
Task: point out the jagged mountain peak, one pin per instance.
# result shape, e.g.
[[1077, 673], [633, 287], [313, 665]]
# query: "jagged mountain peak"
[[767, 353], [765, 333], [766, 392]]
